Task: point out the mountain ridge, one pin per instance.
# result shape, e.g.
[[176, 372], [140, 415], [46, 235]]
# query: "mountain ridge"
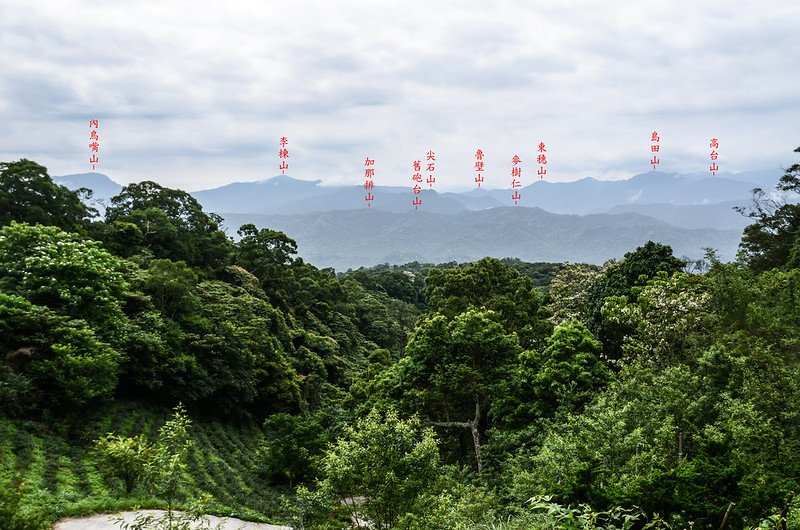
[[589, 220], [351, 238], [286, 194]]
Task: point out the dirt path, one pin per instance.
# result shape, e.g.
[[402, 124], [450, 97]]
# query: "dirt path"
[[104, 522]]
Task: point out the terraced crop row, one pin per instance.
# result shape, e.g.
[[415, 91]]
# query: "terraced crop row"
[[59, 475]]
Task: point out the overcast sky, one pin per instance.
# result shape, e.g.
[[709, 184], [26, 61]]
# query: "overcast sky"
[[197, 94]]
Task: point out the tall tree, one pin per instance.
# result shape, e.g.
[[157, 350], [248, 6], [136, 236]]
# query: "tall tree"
[[380, 468], [618, 279], [773, 240], [267, 255], [564, 377], [455, 368], [490, 284], [172, 225], [29, 195]]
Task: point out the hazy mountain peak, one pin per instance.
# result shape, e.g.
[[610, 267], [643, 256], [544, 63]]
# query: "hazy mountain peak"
[[81, 179], [279, 180], [101, 185]]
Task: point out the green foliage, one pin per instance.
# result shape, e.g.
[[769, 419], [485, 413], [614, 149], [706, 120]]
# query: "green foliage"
[[378, 319], [61, 476], [172, 225], [540, 273], [381, 467], [71, 275], [547, 514], [456, 502], [666, 318], [449, 362], [123, 458], [238, 353], [61, 359], [265, 254], [162, 467], [293, 448], [772, 241], [16, 516], [211, 343], [561, 379], [773, 311], [489, 284], [29, 195], [631, 446], [17, 391], [314, 510], [701, 409], [398, 282], [170, 286], [166, 470], [454, 370], [569, 292], [618, 279]]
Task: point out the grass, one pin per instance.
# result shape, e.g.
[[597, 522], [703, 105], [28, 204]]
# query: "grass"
[[59, 478]]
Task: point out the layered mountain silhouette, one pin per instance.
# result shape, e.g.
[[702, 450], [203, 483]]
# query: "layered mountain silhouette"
[[587, 220], [286, 195], [364, 237]]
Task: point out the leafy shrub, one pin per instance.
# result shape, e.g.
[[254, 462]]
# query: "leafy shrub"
[[124, 458]]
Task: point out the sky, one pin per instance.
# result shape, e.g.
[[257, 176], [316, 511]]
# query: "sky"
[[197, 94]]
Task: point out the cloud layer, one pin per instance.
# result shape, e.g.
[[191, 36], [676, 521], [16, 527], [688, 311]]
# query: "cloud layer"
[[197, 94]]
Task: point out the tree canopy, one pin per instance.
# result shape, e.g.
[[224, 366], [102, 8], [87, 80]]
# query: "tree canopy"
[[773, 240], [29, 195]]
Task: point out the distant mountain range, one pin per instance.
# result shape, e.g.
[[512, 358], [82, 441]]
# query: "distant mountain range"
[[364, 237], [600, 219], [285, 195]]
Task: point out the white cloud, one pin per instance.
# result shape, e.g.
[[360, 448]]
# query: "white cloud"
[[195, 94]]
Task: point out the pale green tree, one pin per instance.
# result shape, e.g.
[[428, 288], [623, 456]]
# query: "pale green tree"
[[380, 467]]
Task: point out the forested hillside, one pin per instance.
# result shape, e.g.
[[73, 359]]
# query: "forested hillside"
[[148, 359]]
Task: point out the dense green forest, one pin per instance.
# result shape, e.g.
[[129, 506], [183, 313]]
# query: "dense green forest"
[[150, 359]]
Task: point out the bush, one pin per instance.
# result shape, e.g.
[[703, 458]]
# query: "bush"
[[380, 467], [293, 448], [123, 458]]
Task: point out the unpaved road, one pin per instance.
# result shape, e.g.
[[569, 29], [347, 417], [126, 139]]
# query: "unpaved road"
[[104, 522]]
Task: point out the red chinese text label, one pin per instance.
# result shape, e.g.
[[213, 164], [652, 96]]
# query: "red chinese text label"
[[713, 145], [283, 154], [369, 184], [479, 167], [94, 142], [541, 159], [516, 178], [655, 147]]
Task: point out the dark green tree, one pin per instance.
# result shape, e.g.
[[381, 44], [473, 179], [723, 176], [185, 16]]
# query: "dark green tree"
[[490, 284], [170, 286], [64, 361], [564, 377], [454, 369], [172, 223], [240, 359], [380, 468], [268, 254], [29, 195], [293, 448], [773, 240], [618, 279]]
